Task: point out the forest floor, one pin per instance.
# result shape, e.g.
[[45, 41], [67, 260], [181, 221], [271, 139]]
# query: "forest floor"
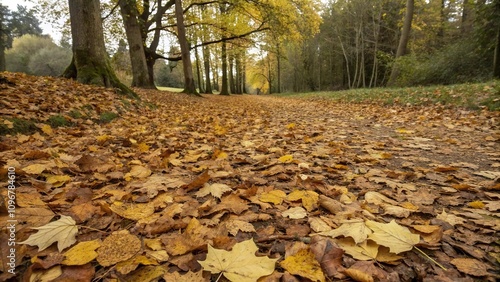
[[171, 185]]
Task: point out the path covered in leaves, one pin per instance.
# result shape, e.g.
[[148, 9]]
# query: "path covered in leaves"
[[281, 188]]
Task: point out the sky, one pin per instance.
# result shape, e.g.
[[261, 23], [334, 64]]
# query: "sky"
[[46, 27]]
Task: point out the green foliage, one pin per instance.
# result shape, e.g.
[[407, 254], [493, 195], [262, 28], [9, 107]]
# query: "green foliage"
[[169, 76], [76, 114], [19, 126], [107, 117], [37, 55], [18, 23], [467, 95], [58, 121], [456, 63]]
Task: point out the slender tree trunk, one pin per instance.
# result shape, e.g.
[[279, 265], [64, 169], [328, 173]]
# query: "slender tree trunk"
[[189, 86], [90, 63], [140, 74], [198, 70], [496, 58], [278, 56], [206, 63], [2, 40], [232, 85], [224, 88], [403, 40], [346, 58]]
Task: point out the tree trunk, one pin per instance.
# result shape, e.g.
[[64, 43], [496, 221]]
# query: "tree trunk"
[[90, 63], [232, 84], [140, 74], [278, 57], [496, 58], [224, 88], [198, 70], [403, 40], [2, 40], [189, 86], [206, 63]]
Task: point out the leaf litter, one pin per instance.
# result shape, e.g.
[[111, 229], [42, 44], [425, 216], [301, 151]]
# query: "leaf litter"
[[176, 186]]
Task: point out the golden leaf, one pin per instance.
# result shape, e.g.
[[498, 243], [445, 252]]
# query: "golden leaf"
[[82, 253], [304, 264], [239, 264]]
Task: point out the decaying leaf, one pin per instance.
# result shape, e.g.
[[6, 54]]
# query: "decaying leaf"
[[62, 231], [470, 266], [275, 196], [239, 264], [295, 213], [119, 246]]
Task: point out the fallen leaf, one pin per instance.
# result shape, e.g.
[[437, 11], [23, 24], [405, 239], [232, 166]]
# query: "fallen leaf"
[[295, 213], [275, 196], [285, 159], [82, 253], [304, 264], [215, 189], [471, 266], [119, 246], [355, 229], [398, 238], [450, 218], [309, 198], [62, 231], [239, 264]]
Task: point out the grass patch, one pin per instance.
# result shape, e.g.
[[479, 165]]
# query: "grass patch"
[[58, 121], [76, 114], [18, 126], [107, 117], [469, 95]]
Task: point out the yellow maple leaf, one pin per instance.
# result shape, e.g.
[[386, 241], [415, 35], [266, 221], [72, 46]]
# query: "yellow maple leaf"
[[240, 264], [58, 180], [309, 198], [304, 264], [35, 168], [143, 147], [290, 126], [215, 189], [476, 205], [82, 253], [286, 158], [275, 196], [398, 238], [133, 211], [47, 129]]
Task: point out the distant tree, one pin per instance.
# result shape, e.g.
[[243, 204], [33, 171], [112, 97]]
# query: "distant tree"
[[403, 40], [23, 49], [15, 24]]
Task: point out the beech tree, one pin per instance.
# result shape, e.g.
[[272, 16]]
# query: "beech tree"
[[403, 40], [90, 63], [189, 85]]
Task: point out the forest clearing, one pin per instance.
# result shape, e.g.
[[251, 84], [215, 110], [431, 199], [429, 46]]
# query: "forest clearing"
[[169, 187]]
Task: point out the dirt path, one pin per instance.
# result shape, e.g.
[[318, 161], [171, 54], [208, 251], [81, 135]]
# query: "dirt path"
[[177, 173]]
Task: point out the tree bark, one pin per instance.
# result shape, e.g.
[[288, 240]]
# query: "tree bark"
[[189, 85], [140, 75], [198, 70], [90, 63], [2, 40], [224, 88], [206, 64], [496, 58], [403, 40]]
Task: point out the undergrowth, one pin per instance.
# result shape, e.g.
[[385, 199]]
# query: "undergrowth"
[[470, 95]]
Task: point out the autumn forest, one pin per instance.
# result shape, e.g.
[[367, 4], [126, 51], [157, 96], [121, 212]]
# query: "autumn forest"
[[275, 140]]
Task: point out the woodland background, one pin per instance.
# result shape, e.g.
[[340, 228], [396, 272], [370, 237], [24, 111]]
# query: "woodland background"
[[274, 46]]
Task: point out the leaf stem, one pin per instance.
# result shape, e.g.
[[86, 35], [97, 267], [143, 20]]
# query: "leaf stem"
[[220, 275], [83, 226], [429, 258]]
